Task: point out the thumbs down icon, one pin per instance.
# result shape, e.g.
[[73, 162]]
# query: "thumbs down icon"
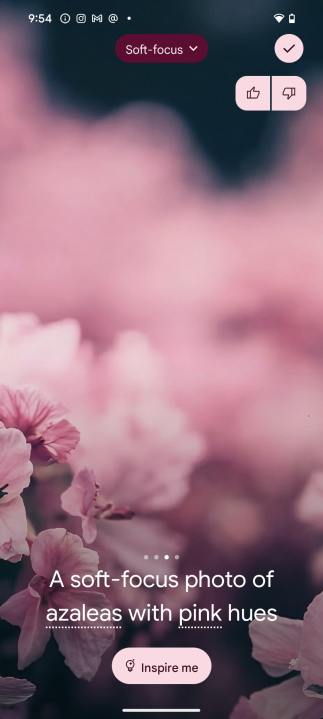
[[289, 92]]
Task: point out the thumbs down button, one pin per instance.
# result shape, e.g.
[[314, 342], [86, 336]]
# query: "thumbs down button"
[[288, 93]]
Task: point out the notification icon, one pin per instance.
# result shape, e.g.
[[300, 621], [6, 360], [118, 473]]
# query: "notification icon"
[[65, 18]]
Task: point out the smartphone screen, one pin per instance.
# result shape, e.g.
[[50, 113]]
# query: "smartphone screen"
[[161, 362]]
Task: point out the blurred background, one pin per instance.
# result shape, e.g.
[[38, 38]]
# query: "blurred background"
[[138, 198]]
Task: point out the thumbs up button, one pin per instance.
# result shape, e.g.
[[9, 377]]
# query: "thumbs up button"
[[253, 93]]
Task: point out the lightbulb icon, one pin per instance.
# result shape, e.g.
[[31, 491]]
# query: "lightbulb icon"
[[130, 664]]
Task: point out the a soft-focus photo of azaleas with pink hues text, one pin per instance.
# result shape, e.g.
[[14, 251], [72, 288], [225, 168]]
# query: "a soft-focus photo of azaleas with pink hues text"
[[161, 360]]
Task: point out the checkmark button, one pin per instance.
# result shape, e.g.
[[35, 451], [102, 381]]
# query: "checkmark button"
[[289, 48]]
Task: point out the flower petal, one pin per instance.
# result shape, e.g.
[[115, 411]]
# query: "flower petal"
[[78, 500], [13, 530], [60, 439], [33, 636], [57, 549], [26, 409], [285, 701], [13, 690], [276, 644], [15, 465], [25, 610], [15, 608], [89, 530], [51, 436], [243, 710], [311, 649], [83, 648]]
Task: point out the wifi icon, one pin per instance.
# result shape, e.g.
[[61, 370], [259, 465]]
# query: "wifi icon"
[[279, 16]]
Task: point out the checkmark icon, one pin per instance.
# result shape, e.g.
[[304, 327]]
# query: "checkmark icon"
[[288, 49]]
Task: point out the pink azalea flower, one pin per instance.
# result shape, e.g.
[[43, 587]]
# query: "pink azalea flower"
[[52, 437], [13, 690], [282, 647], [142, 450], [84, 499], [139, 442], [25, 341], [15, 472], [126, 545], [57, 549]]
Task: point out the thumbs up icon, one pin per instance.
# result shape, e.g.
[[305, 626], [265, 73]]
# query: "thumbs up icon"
[[253, 94]]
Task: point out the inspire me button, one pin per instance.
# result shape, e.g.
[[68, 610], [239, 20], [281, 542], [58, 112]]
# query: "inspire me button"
[[161, 665]]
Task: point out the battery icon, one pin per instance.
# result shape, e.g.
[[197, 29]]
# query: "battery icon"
[[292, 18]]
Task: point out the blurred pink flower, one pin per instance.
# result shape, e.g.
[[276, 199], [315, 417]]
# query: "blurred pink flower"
[[84, 499], [285, 701], [141, 451], [15, 472], [57, 549], [238, 320], [138, 442], [25, 341], [276, 645], [316, 567], [13, 690], [285, 646], [309, 507], [233, 520], [135, 545], [52, 437]]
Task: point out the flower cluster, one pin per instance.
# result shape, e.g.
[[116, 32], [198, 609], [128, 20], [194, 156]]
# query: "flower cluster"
[[283, 647], [32, 428], [125, 450]]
